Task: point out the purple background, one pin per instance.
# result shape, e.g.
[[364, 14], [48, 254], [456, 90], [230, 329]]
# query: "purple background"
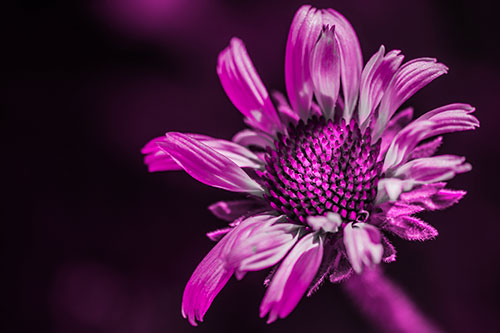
[[94, 243]]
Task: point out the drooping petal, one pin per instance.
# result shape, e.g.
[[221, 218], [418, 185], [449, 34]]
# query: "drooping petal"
[[231, 210], [248, 137], [325, 71], [410, 78], [207, 280], [351, 59], [292, 278], [213, 272], [265, 247], [207, 165], [410, 228], [363, 245], [432, 169], [245, 89], [375, 78], [448, 118], [304, 31]]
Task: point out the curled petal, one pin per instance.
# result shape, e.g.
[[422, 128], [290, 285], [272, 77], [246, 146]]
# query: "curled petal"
[[410, 78], [292, 278], [304, 31], [325, 71], [351, 59], [231, 210], [207, 165], [432, 169], [410, 228], [363, 245], [245, 89], [375, 78], [449, 118]]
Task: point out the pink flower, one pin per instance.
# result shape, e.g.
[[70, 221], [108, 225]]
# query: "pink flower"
[[326, 175]]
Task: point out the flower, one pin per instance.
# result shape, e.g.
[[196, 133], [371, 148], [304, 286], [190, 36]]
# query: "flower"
[[326, 176]]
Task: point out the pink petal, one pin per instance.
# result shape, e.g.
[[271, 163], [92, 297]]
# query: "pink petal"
[[292, 278], [212, 273], [231, 210], [287, 115], [207, 165], [216, 235], [427, 149], [158, 159], [207, 280], [245, 89], [304, 31], [389, 189], [375, 78], [248, 137], [432, 169], [329, 223], [342, 269], [395, 209], [389, 254], [432, 196], [325, 71], [264, 247], [363, 245], [410, 78], [410, 228], [449, 118], [351, 59], [400, 120], [330, 251]]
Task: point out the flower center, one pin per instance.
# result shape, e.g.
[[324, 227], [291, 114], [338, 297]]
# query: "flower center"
[[322, 166]]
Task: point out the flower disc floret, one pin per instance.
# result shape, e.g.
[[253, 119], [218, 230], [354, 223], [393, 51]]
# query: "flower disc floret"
[[322, 166]]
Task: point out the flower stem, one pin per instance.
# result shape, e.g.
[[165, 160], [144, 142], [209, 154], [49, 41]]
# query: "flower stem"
[[385, 304]]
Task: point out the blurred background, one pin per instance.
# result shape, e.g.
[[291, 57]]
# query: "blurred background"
[[95, 243]]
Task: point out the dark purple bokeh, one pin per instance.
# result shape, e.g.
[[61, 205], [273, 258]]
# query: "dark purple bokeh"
[[94, 243]]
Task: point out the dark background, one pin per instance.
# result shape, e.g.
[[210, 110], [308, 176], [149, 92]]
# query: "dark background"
[[94, 243]]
